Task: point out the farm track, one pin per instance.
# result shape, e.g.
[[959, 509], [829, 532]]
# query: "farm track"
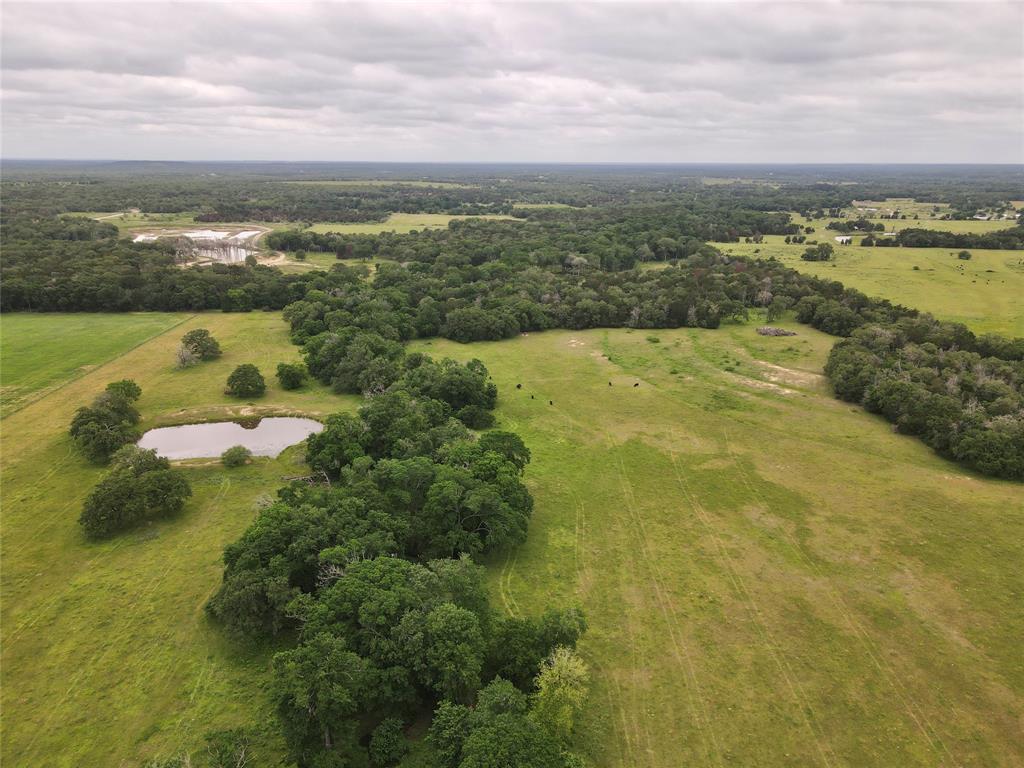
[[696, 699], [46, 392], [898, 686], [743, 592], [137, 617]]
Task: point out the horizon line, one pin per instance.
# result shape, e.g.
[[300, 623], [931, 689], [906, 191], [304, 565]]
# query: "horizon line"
[[515, 162]]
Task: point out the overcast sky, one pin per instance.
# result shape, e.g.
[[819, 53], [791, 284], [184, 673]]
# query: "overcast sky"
[[682, 82]]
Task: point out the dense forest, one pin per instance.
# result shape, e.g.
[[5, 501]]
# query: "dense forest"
[[374, 571]]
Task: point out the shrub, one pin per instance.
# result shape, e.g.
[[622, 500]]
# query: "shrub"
[[236, 456], [388, 744], [964, 255], [228, 749], [291, 375], [185, 357], [140, 486], [201, 344], [246, 381], [475, 417], [109, 423]]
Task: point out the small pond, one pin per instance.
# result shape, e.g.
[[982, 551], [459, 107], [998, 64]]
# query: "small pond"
[[268, 437]]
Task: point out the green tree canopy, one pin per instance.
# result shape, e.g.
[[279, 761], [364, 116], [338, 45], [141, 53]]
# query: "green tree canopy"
[[246, 381]]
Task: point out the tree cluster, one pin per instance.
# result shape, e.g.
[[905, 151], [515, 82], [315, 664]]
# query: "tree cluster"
[[201, 344], [374, 571], [1006, 239], [109, 423], [855, 225], [78, 265], [819, 252], [246, 381], [140, 486], [963, 395]]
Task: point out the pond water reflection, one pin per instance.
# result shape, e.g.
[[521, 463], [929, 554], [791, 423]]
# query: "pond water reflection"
[[196, 441]]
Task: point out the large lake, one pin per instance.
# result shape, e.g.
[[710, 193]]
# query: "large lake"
[[197, 441]]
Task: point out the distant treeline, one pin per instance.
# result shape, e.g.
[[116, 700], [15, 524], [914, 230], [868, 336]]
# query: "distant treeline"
[[1005, 239], [80, 265], [487, 280], [217, 200], [607, 238]]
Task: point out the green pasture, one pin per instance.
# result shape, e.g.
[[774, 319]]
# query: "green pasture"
[[986, 293], [959, 226], [107, 655], [396, 222], [39, 353], [905, 205], [127, 221], [772, 577], [320, 260]]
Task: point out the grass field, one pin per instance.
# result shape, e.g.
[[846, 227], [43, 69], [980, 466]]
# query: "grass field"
[[969, 226], [964, 226], [907, 205], [128, 221], [396, 222], [108, 658], [986, 293], [315, 260], [772, 577], [39, 353]]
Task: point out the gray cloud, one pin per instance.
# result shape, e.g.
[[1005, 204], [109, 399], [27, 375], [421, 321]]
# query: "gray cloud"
[[712, 81]]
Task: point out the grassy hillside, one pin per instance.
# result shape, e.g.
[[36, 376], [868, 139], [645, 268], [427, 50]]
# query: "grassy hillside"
[[986, 293], [772, 577], [107, 655]]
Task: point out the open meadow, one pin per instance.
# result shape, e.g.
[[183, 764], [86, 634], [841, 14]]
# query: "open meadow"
[[396, 222], [39, 353], [985, 293], [772, 577], [108, 656]]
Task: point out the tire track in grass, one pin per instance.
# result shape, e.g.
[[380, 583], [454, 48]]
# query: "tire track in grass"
[[615, 706], [697, 701], [34, 618], [633, 715], [137, 618], [35, 491], [892, 678], [630, 728], [46, 392], [579, 540], [754, 610], [504, 585], [45, 522]]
